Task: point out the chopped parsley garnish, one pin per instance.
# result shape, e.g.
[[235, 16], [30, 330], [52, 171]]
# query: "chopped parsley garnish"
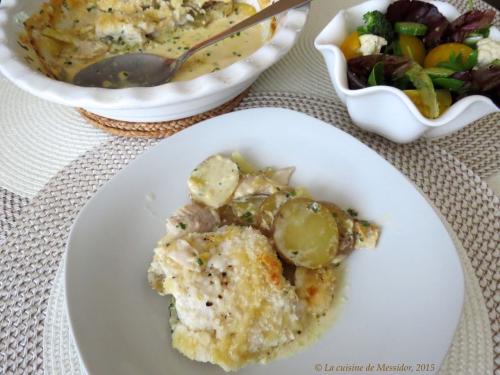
[[352, 212], [183, 226], [364, 223], [199, 261], [292, 193]]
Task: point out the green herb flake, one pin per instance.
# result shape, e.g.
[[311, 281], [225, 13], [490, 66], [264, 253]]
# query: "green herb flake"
[[199, 261], [182, 225], [352, 212], [364, 223]]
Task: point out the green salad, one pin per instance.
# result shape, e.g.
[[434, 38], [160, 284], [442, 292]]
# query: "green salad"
[[435, 62]]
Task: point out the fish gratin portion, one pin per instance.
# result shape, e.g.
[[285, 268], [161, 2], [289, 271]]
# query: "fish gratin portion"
[[232, 303], [253, 265], [65, 36]]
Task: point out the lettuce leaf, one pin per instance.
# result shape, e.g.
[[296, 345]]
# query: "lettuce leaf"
[[483, 81], [360, 68], [467, 23], [420, 12]]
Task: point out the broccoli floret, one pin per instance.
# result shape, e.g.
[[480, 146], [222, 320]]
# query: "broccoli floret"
[[377, 24]]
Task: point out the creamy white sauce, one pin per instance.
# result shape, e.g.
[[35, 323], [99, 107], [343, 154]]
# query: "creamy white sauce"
[[170, 45]]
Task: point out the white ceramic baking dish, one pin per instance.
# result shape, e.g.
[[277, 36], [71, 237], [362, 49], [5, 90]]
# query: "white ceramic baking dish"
[[162, 103]]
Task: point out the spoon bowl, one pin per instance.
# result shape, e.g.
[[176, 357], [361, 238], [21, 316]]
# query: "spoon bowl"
[[147, 70], [129, 70]]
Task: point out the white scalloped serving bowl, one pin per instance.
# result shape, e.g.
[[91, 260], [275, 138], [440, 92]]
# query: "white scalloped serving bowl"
[[145, 104], [386, 110]]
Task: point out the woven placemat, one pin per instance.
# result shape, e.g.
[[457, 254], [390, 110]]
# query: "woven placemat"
[[32, 252], [155, 129], [10, 208]]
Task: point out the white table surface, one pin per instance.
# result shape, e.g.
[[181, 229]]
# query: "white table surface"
[[39, 138]]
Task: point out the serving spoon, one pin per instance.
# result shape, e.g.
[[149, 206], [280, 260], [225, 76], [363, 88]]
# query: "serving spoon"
[[146, 69]]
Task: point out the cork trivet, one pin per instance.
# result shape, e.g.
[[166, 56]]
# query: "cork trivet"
[[155, 129]]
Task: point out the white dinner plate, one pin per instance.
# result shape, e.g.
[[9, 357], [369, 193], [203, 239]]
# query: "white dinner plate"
[[402, 301]]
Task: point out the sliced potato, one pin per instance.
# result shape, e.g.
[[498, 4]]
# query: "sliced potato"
[[243, 164], [259, 183], [269, 208], [271, 205], [280, 176], [305, 233], [345, 225], [245, 210], [57, 35], [366, 234], [214, 181], [315, 288]]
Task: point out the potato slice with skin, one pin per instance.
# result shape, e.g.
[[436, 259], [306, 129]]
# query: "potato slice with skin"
[[214, 181], [306, 233], [243, 164], [345, 225], [270, 207]]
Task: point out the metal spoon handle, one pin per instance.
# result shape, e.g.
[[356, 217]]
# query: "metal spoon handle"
[[268, 12]]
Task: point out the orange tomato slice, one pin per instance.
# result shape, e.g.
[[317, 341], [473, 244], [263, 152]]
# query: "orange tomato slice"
[[351, 45], [443, 52]]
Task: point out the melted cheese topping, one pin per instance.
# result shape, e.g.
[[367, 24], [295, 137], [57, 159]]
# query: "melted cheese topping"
[[68, 35]]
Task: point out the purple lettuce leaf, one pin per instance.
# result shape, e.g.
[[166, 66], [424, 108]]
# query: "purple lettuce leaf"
[[483, 81], [420, 12], [469, 22], [359, 68]]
